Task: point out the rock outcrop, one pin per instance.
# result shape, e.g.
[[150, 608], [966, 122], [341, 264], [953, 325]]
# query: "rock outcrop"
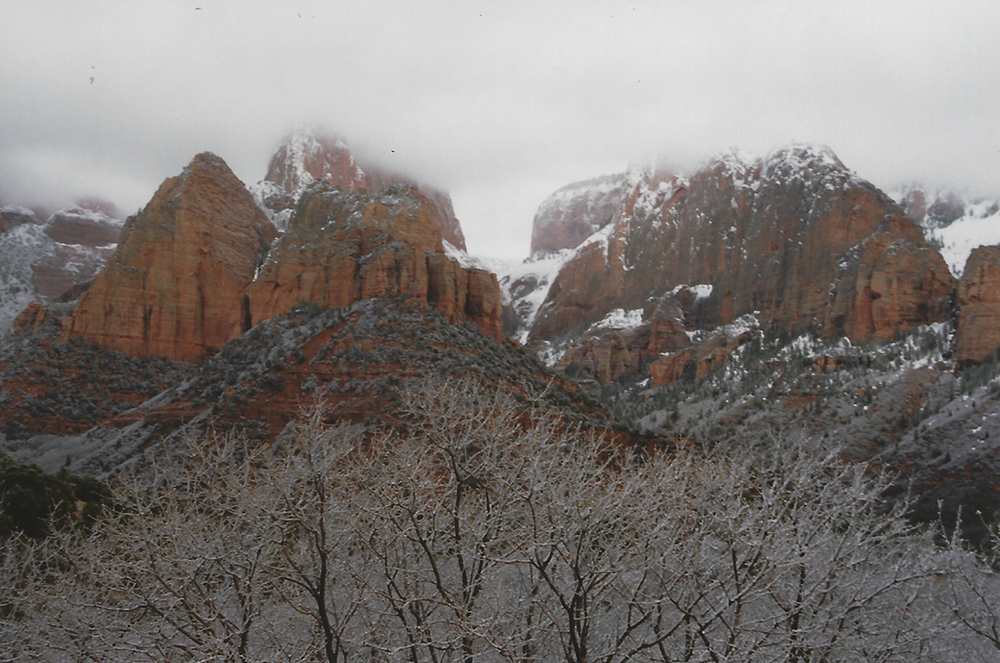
[[306, 157], [694, 362], [343, 247], [978, 334], [575, 212], [83, 240], [12, 216], [625, 342], [31, 318], [795, 238], [174, 286]]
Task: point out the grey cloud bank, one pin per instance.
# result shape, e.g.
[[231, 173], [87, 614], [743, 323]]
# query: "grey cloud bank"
[[500, 103]]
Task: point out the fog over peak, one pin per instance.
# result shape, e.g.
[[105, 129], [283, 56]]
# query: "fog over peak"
[[500, 103]]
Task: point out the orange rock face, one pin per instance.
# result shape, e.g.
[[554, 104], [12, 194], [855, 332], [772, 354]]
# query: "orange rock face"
[[978, 335], [695, 362], [31, 318], [573, 213], [305, 158], [342, 247], [174, 286], [607, 354], [795, 238]]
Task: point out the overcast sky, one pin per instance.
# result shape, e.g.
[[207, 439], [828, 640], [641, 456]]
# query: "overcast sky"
[[501, 103]]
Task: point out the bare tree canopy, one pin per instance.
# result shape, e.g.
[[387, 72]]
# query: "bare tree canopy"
[[489, 532]]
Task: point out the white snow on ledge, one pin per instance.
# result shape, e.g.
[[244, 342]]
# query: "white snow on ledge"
[[621, 319], [699, 291], [463, 258]]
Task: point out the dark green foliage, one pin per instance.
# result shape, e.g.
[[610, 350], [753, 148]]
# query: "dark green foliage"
[[31, 498]]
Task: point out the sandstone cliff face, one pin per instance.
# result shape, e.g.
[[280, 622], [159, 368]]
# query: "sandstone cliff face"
[[174, 286], [695, 361], [344, 247], [625, 342], [795, 237], [305, 158], [978, 334], [575, 212]]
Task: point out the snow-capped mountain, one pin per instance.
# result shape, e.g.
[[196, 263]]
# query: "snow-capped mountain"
[[794, 238]]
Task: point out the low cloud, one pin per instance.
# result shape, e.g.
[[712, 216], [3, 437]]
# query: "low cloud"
[[500, 103]]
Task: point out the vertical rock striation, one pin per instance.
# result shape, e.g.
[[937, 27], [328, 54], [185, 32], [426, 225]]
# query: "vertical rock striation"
[[174, 286]]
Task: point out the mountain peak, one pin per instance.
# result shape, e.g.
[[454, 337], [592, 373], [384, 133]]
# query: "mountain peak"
[[307, 155], [174, 286]]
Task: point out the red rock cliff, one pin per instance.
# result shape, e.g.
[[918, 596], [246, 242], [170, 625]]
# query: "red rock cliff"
[[174, 286], [795, 237], [305, 157], [344, 247], [978, 334], [575, 212]]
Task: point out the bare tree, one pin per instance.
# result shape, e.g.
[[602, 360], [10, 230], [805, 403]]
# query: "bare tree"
[[486, 528]]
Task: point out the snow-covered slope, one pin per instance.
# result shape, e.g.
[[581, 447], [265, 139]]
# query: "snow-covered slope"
[[40, 262], [953, 221], [958, 239], [20, 248], [525, 285]]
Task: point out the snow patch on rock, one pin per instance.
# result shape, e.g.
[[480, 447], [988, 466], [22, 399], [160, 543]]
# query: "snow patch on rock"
[[620, 319]]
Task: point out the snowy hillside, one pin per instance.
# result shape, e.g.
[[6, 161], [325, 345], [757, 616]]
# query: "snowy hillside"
[[955, 222], [976, 228], [40, 262], [525, 285], [20, 248]]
